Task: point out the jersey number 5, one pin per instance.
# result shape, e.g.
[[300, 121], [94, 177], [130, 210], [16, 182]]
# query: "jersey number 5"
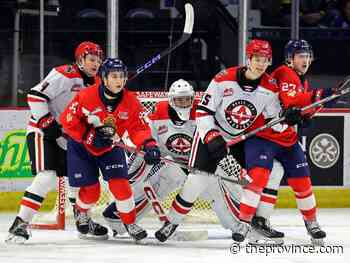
[[205, 99]]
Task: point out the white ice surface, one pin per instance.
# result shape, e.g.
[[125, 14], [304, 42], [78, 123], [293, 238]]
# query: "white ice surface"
[[64, 246]]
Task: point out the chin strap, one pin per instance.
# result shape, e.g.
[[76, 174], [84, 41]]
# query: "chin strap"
[[110, 93]]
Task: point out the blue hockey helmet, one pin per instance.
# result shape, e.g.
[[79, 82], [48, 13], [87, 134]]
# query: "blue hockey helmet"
[[297, 46], [111, 65]]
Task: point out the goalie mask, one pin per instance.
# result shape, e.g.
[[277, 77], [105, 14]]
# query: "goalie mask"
[[181, 96]]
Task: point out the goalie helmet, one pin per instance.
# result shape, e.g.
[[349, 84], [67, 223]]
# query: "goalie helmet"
[[181, 97], [85, 48]]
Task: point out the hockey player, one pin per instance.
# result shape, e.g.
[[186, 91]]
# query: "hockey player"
[[232, 104], [173, 125], [93, 121], [283, 146], [47, 148]]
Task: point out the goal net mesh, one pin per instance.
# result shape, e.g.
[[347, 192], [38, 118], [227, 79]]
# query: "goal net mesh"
[[200, 213]]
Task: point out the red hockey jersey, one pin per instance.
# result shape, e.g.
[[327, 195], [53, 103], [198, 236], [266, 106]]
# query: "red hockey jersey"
[[292, 93], [126, 117]]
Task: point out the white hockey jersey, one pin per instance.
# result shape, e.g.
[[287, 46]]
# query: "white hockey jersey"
[[231, 109], [54, 93], [174, 139]]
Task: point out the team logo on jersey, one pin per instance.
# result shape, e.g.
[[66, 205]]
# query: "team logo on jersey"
[[109, 121], [324, 150], [179, 143], [240, 114]]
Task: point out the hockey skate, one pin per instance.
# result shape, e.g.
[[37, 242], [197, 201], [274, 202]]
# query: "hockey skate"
[[88, 229], [136, 232], [241, 232], [317, 235], [166, 231], [18, 232], [263, 234]]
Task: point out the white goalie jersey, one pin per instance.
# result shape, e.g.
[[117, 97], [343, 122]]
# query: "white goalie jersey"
[[232, 109], [174, 140], [174, 137]]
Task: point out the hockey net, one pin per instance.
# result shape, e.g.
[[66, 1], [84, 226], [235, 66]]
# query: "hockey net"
[[57, 218]]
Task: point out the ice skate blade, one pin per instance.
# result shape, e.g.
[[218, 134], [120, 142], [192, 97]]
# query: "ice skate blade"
[[92, 237], [12, 239], [190, 235], [319, 242], [266, 242]]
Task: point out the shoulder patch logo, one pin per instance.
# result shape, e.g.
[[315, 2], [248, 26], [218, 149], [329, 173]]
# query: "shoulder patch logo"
[[228, 92], [69, 69], [76, 88], [162, 129], [273, 81]]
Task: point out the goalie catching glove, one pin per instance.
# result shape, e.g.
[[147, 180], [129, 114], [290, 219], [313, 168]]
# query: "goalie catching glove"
[[50, 127]]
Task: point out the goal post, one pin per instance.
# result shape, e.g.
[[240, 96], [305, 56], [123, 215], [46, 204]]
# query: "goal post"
[[57, 218]]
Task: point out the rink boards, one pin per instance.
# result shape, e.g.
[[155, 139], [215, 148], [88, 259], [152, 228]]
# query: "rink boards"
[[326, 144]]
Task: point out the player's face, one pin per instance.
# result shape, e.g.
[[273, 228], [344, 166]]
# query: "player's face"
[[301, 62], [91, 63], [183, 102], [115, 81], [258, 65]]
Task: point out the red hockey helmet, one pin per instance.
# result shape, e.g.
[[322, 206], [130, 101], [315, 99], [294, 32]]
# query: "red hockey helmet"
[[87, 47], [259, 47]]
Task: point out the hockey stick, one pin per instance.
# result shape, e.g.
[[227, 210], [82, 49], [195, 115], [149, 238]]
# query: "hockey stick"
[[343, 89], [242, 181], [187, 31]]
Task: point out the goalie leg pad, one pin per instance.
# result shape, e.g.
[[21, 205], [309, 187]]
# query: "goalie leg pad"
[[225, 202]]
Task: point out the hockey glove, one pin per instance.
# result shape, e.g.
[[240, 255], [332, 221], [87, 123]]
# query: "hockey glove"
[[103, 136], [216, 145], [293, 116], [152, 153], [50, 127], [316, 96]]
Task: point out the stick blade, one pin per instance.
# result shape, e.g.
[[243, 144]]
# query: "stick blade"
[[189, 19], [189, 235]]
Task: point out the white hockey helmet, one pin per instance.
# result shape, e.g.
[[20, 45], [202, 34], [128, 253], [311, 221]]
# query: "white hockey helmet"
[[181, 96]]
